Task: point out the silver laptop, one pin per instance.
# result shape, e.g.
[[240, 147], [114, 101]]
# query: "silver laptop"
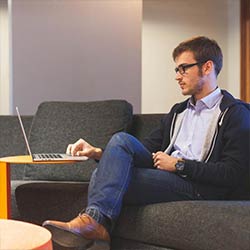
[[47, 156]]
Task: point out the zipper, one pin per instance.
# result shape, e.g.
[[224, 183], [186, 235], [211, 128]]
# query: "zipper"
[[172, 126]]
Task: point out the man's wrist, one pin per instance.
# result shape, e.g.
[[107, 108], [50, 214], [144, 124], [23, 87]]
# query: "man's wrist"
[[98, 153], [180, 165]]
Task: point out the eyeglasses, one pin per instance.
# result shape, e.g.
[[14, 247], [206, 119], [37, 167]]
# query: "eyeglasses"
[[183, 67]]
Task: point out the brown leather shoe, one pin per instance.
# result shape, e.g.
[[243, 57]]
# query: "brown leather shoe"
[[83, 231]]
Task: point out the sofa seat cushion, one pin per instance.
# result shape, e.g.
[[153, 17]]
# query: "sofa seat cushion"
[[56, 124], [121, 244], [196, 225], [15, 214], [57, 200], [14, 210]]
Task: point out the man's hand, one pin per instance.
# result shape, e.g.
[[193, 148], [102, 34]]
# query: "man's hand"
[[83, 148], [164, 161]]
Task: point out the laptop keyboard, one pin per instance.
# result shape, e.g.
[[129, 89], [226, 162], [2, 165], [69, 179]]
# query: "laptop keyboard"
[[48, 156]]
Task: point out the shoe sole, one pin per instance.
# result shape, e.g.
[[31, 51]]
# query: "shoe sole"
[[68, 239], [72, 240]]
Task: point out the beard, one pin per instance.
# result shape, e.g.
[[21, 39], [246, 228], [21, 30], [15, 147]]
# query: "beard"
[[195, 89]]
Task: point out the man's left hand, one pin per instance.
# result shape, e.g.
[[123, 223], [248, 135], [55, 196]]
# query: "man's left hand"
[[164, 161]]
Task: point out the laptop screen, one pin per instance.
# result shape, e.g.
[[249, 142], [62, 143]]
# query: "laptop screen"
[[23, 130]]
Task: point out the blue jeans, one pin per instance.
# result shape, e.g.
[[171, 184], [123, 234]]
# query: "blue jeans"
[[126, 175]]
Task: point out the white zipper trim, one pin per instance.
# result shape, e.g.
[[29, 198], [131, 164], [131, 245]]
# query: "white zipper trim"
[[172, 126], [221, 118]]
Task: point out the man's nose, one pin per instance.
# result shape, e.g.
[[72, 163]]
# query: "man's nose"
[[178, 76]]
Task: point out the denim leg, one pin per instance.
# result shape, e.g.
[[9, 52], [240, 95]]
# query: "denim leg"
[[110, 180], [126, 174], [148, 186]]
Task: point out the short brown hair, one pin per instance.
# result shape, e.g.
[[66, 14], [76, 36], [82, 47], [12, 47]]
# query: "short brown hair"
[[204, 49]]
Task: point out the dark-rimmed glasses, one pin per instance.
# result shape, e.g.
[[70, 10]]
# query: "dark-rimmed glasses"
[[183, 67]]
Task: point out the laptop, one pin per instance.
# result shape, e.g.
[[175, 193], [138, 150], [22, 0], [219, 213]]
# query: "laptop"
[[47, 156]]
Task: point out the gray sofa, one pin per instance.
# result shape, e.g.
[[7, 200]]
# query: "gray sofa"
[[41, 192]]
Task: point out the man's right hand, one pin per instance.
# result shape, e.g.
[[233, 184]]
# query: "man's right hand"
[[83, 148]]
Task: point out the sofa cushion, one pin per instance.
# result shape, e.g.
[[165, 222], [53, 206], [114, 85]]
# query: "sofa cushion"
[[196, 225], [56, 124], [12, 142], [144, 124], [121, 244], [64, 200], [14, 210]]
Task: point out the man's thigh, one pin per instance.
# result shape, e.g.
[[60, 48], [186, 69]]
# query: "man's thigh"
[[149, 186]]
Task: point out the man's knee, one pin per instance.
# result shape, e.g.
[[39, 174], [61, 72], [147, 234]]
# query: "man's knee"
[[122, 139], [119, 138]]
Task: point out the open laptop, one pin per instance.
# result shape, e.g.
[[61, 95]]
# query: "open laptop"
[[47, 156]]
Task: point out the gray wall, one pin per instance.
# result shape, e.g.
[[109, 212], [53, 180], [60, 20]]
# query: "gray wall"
[[81, 50], [76, 50]]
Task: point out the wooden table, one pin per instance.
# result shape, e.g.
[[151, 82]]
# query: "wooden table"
[[5, 189], [18, 235]]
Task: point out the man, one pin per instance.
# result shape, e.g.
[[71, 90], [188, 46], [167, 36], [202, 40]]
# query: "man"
[[200, 151]]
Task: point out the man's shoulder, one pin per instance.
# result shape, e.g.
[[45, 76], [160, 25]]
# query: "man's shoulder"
[[238, 113], [229, 101]]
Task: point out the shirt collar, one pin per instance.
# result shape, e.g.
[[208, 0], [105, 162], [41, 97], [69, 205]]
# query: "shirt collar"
[[208, 101]]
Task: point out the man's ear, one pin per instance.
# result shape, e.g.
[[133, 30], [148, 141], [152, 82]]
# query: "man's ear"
[[208, 67]]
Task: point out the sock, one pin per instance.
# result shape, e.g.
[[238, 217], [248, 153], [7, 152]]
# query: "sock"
[[99, 217]]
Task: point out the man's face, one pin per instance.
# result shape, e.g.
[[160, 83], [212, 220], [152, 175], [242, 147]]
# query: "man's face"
[[191, 81]]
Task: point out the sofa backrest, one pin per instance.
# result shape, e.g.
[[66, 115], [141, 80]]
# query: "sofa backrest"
[[56, 124], [12, 141], [144, 124]]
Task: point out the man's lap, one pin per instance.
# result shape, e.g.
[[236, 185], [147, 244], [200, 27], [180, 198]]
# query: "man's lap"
[[153, 186]]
